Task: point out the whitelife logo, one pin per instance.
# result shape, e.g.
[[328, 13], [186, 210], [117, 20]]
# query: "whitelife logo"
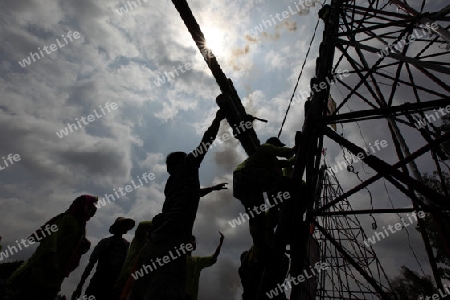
[[437, 296], [317, 87], [223, 138], [169, 76], [260, 209], [11, 158], [27, 61], [128, 189], [299, 7], [31, 240], [90, 118], [162, 261], [407, 40], [397, 226], [423, 122], [319, 267], [361, 155]]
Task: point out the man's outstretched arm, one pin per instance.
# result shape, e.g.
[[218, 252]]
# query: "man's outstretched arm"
[[217, 187], [77, 293], [216, 254], [208, 138]]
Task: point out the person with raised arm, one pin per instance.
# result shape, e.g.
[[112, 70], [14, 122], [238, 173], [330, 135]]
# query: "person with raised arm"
[[195, 264], [172, 228]]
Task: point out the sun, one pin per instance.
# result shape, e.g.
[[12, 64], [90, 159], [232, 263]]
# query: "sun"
[[215, 40]]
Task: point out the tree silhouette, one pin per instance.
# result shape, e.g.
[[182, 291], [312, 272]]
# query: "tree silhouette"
[[410, 286]]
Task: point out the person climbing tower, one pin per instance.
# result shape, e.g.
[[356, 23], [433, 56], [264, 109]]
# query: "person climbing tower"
[[110, 253], [195, 265], [262, 173], [172, 228], [57, 255], [253, 264]]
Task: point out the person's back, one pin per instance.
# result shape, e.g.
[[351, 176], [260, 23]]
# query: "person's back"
[[260, 172], [110, 253], [265, 158], [182, 198], [57, 255]]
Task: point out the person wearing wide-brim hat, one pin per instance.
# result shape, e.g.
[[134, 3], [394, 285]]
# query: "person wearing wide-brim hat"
[[121, 226], [110, 253]]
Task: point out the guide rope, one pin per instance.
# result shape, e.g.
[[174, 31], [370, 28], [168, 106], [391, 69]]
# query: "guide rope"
[[299, 76]]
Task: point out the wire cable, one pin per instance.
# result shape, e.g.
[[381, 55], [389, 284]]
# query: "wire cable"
[[299, 76]]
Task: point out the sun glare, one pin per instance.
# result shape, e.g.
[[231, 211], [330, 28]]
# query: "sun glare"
[[215, 40]]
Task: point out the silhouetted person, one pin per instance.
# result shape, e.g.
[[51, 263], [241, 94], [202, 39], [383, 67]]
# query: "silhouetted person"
[[262, 172], [195, 265], [251, 272], [125, 281], [253, 264], [173, 227], [57, 255], [110, 253]]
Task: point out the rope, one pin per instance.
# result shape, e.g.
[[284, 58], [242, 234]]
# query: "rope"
[[298, 79], [406, 228]]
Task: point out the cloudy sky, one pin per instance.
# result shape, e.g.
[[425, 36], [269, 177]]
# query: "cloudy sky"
[[141, 60]]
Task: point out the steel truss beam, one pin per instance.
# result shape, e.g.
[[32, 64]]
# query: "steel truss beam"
[[399, 164], [389, 172], [354, 263], [384, 112]]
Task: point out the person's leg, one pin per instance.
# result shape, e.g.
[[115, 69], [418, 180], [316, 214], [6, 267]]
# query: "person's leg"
[[257, 225], [276, 187], [169, 281], [161, 280], [142, 275], [23, 287], [249, 186]]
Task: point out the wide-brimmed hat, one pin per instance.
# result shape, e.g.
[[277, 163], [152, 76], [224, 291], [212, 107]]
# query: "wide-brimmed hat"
[[121, 225], [275, 141]]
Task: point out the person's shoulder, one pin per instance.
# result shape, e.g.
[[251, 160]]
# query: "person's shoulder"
[[145, 223], [126, 242], [191, 161], [267, 147], [104, 241], [193, 259], [67, 219]]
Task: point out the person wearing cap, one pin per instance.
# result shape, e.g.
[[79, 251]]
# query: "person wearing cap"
[[195, 264], [110, 253], [261, 172], [57, 255]]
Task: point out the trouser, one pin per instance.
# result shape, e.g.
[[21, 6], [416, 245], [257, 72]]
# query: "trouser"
[[251, 272], [249, 186], [164, 281], [23, 287], [100, 286]]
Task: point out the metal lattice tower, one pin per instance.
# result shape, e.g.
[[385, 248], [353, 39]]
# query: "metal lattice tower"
[[391, 82], [380, 88], [340, 280]]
